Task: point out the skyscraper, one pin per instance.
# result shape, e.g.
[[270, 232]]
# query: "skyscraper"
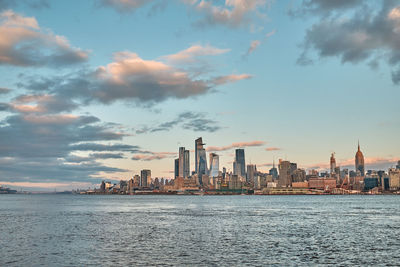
[[176, 169], [273, 171], [200, 159], [251, 169], [240, 162], [284, 173], [333, 163], [359, 161], [184, 163], [145, 178], [181, 161], [214, 165]]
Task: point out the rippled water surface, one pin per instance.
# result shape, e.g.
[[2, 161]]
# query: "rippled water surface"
[[73, 230]]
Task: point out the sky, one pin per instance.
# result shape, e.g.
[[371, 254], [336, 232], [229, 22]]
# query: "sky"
[[100, 89]]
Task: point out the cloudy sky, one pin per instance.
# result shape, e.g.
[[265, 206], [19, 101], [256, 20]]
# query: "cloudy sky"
[[100, 89]]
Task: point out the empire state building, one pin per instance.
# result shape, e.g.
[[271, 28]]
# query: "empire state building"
[[360, 161]]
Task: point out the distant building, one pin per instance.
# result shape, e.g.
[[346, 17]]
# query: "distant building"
[[251, 169], [298, 175], [176, 169], [284, 173], [333, 164], [274, 171], [145, 178], [186, 164], [200, 158], [240, 163], [214, 165], [394, 179], [398, 165], [359, 162]]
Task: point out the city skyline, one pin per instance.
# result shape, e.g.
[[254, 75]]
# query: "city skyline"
[[100, 90]]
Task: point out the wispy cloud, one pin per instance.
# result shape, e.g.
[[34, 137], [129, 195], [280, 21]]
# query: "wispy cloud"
[[192, 53], [236, 145], [272, 149], [154, 156]]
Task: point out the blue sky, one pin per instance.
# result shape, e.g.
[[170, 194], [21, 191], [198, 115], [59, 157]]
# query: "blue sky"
[[301, 79]]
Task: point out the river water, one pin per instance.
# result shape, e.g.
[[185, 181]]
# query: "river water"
[[75, 230]]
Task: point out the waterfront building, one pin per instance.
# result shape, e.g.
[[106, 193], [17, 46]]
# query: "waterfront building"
[[235, 183], [285, 168], [359, 162], [333, 164], [186, 164], [251, 169], [176, 169], [240, 162], [136, 180], [394, 179], [145, 178], [274, 171], [200, 158], [298, 175], [214, 165]]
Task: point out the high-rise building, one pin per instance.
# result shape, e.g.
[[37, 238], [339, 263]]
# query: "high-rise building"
[[251, 169], [176, 169], [359, 162], [240, 162], [184, 163], [273, 171], [398, 165], [214, 165], [333, 163], [284, 173], [145, 178], [200, 159]]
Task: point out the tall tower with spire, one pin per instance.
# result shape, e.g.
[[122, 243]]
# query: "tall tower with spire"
[[359, 160], [333, 163]]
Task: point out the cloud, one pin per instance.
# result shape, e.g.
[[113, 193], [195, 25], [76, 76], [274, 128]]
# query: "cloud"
[[44, 103], [125, 6], [236, 145], [154, 156], [230, 78], [188, 120], [104, 147], [192, 53], [366, 34], [256, 43], [107, 155], [233, 13], [323, 7], [128, 78], [4, 91], [40, 144], [272, 149], [24, 43]]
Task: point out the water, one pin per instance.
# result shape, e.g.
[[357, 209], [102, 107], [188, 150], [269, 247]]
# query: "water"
[[70, 230]]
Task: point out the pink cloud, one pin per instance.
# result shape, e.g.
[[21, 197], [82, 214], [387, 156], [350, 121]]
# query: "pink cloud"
[[272, 149]]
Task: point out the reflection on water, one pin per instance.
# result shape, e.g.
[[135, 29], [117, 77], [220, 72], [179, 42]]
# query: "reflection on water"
[[198, 230]]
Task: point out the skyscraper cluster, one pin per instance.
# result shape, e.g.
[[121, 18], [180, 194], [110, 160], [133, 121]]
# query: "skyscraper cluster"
[[286, 179]]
